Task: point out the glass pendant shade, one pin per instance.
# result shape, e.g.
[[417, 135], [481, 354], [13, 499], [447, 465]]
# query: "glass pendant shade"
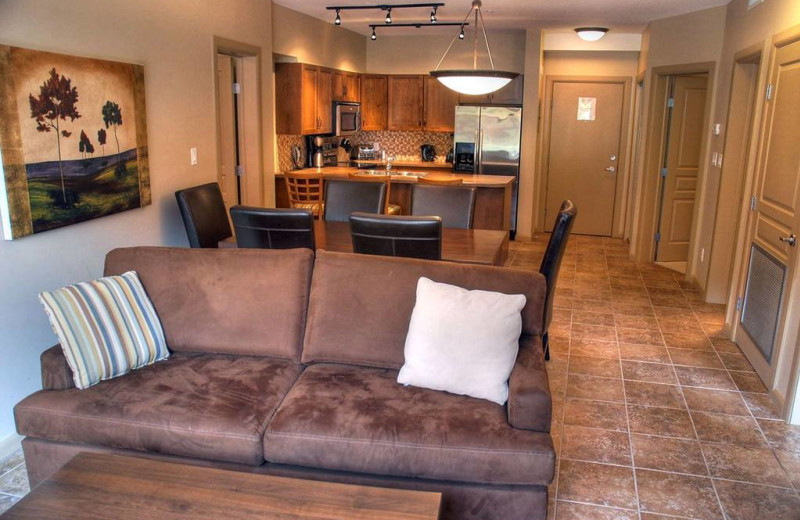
[[474, 82]]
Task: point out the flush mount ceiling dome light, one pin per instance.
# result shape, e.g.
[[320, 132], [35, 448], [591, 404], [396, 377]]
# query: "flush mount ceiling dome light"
[[591, 34], [475, 81]]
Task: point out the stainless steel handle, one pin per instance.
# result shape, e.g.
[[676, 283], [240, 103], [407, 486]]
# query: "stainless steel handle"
[[791, 240], [611, 169], [480, 153]]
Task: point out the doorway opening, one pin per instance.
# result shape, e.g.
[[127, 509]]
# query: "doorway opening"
[[238, 100], [680, 165], [585, 149]]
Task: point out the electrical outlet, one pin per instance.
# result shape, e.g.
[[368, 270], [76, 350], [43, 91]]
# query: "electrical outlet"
[[702, 254], [193, 156]]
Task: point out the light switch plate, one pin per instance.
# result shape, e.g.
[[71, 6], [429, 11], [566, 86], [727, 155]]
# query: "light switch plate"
[[193, 156], [714, 158]]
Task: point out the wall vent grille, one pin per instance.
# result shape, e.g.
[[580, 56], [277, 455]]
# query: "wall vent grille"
[[762, 300]]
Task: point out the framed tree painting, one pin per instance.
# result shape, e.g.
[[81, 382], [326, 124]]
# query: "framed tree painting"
[[73, 140]]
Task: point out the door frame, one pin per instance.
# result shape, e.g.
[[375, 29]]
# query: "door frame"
[[643, 247], [623, 171], [785, 387], [251, 187]]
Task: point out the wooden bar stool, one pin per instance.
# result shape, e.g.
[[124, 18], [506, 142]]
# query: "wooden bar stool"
[[306, 191]]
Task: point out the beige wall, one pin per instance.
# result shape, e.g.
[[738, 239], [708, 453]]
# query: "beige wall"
[[419, 54], [590, 63], [530, 182], [174, 42], [317, 42], [672, 46]]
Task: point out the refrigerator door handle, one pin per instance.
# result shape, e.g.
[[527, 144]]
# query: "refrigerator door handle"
[[477, 151], [479, 164]]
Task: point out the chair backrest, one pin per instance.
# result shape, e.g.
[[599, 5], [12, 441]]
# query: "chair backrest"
[[390, 235], [454, 204], [455, 181], [204, 215], [554, 253], [305, 190], [273, 228], [345, 197], [386, 179]]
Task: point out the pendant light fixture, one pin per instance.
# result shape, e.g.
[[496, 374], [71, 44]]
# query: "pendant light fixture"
[[475, 81]]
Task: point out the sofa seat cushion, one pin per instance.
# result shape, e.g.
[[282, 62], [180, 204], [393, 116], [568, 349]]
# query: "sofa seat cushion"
[[360, 419], [209, 406]]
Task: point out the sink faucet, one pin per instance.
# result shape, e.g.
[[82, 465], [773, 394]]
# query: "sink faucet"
[[389, 159]]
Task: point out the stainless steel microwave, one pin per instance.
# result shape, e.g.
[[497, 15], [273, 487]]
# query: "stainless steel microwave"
[[346, 118]]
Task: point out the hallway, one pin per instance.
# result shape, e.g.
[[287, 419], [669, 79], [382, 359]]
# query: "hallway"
[[655, 412]]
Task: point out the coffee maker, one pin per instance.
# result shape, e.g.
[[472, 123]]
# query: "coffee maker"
[[315, 148]]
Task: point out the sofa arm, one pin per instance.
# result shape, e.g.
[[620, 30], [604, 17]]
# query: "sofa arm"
[[56, 374], [530, 406]]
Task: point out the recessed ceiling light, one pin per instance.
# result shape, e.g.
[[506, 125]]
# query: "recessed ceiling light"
[[591, 34]]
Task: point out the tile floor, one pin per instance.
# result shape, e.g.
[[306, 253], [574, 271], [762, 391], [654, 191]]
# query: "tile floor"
[[656, 415]]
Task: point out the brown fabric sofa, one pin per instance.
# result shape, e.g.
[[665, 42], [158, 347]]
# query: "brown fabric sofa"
[[286, 364]]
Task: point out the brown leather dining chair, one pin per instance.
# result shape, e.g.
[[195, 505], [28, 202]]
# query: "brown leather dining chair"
[[389, 235], [388, 208], [343, 197], [204, 215], [551, 263], [454, 204], [273, 228], [306, 191]]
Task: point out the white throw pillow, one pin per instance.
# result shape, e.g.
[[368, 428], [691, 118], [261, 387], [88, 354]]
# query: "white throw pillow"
[[463, 342]]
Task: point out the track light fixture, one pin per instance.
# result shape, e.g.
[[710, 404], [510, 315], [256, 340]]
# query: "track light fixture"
[[418, 25], [374, 36], [461, 34], [434, 6]]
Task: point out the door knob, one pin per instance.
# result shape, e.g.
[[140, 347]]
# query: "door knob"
[[791, 240], [613, 157], [611, 169]]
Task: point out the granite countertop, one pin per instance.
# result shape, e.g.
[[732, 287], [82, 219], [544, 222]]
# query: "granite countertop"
[[480, 181]]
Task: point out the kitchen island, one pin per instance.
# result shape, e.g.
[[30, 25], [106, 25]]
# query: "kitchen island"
[[492, 201]]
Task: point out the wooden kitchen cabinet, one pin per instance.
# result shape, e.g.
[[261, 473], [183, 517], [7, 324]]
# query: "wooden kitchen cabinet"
[[303, 99], [346, 86], [406, 102], [440, 106], [511, 94], [374, 102]]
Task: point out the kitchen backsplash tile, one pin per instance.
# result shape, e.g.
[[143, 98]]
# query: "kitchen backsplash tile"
[[405, 146]]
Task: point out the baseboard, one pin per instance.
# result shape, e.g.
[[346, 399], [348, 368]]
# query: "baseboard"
[[9, 444]]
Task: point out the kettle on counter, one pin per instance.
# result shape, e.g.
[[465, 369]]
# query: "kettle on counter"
[[428, 152]]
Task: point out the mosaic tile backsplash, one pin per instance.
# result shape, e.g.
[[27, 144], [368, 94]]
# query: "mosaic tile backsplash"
[[404, 146]]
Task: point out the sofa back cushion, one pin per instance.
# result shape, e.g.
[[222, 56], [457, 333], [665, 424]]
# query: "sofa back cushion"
[[361, 305], [227, 301]]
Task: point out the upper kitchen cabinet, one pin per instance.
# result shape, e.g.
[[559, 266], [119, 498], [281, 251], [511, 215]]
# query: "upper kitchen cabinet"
[[303, 94], [406, 102], [346, 86], [440, 106], [511, 94], [374, 102]]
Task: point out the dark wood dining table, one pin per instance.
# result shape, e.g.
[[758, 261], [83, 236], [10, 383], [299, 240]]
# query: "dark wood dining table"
[[468, 246]]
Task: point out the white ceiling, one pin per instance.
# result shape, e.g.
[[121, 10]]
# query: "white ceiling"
[[618, 15]]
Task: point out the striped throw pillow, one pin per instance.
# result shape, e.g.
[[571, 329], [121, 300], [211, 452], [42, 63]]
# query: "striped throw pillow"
[[107, 327]]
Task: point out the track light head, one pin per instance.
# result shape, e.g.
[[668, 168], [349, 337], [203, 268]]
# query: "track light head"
[[433, 14], [461, 34], [389, 16], [374, 36], [338, 20]]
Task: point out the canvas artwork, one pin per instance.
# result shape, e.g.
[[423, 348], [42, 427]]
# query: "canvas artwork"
[[73, 140]]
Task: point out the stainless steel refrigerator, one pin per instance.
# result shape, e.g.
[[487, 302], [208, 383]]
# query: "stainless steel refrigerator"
[[487, 141]]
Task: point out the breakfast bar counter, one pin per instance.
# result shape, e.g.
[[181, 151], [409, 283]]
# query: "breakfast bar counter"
[[492, 201]]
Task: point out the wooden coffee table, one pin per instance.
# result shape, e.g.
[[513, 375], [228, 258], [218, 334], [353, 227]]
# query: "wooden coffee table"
[[111, 486]]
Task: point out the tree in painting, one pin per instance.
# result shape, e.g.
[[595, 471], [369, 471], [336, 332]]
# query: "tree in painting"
[[84, 145], [55, 103], [112, 117], [101, 139]]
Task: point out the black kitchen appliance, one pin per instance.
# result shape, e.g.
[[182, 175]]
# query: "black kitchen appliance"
[[428, 152], [321, 151]]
